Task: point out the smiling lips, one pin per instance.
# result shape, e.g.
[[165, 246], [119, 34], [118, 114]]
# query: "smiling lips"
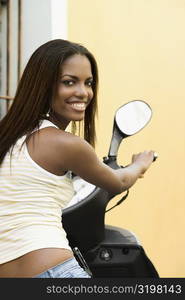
[[79, 106]]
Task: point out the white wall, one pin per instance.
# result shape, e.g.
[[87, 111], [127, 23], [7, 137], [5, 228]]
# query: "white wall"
[[42, 21]]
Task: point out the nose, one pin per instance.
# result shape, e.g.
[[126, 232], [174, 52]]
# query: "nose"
[[81, 91]]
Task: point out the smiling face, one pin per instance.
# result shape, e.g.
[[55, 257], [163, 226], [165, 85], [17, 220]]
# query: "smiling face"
[[74, 90]]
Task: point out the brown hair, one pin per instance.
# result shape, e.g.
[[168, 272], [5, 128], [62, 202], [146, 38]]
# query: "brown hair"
[[36, 90]]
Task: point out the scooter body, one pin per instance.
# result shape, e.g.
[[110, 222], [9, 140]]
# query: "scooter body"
[[109, 251]]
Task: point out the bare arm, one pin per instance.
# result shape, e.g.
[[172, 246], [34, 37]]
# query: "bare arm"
[[79, 157]]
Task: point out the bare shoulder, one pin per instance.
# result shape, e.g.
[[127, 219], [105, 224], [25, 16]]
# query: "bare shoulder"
[[58, 151], [68, 149], [74, 148], [51, 134], [53, 137], [63, 140], [58, 148], [72, 142]]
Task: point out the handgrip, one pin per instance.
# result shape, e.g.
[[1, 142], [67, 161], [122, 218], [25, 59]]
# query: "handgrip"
[[155, 156]]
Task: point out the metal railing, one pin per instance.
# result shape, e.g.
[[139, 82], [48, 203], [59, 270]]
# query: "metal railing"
[[6, 97], [8, 100]]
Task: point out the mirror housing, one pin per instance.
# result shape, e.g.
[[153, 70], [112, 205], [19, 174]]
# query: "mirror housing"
[[129, 119]]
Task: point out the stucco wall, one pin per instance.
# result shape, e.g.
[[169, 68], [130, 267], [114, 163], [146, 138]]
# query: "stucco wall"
[[140, 49]]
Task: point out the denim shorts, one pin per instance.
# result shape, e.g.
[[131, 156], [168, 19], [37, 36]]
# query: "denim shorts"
[[68, 269]]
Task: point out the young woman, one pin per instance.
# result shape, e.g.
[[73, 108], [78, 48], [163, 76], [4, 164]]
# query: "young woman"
[[37, 156]]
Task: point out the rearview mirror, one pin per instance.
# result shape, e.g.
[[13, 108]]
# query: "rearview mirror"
[[129, 119], [132, 117]]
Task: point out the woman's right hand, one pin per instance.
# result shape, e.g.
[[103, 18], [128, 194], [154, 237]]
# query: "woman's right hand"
[[144, 160]]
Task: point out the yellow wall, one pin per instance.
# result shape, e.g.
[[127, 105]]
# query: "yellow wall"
[[140, 49]]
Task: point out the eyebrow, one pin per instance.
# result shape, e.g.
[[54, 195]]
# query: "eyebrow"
[[74, 77]]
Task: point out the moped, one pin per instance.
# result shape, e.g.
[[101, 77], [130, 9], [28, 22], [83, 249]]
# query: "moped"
[[104, 250]]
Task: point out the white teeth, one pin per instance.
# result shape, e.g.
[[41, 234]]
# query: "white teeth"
[[78, 105]]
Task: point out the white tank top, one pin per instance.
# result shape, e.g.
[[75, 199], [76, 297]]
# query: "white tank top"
[[31, 203]]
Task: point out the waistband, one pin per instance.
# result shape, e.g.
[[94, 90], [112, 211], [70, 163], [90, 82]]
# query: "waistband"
[[68, 268]]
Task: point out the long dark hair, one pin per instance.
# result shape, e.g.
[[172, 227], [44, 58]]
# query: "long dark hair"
[[36, 89]]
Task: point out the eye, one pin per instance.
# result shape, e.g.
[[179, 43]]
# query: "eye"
[[89, 83], [68, 82]]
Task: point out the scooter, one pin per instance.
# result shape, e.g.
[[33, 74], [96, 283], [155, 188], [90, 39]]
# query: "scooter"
[[104, 250]]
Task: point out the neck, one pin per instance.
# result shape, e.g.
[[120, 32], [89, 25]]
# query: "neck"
[[58, 120]]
